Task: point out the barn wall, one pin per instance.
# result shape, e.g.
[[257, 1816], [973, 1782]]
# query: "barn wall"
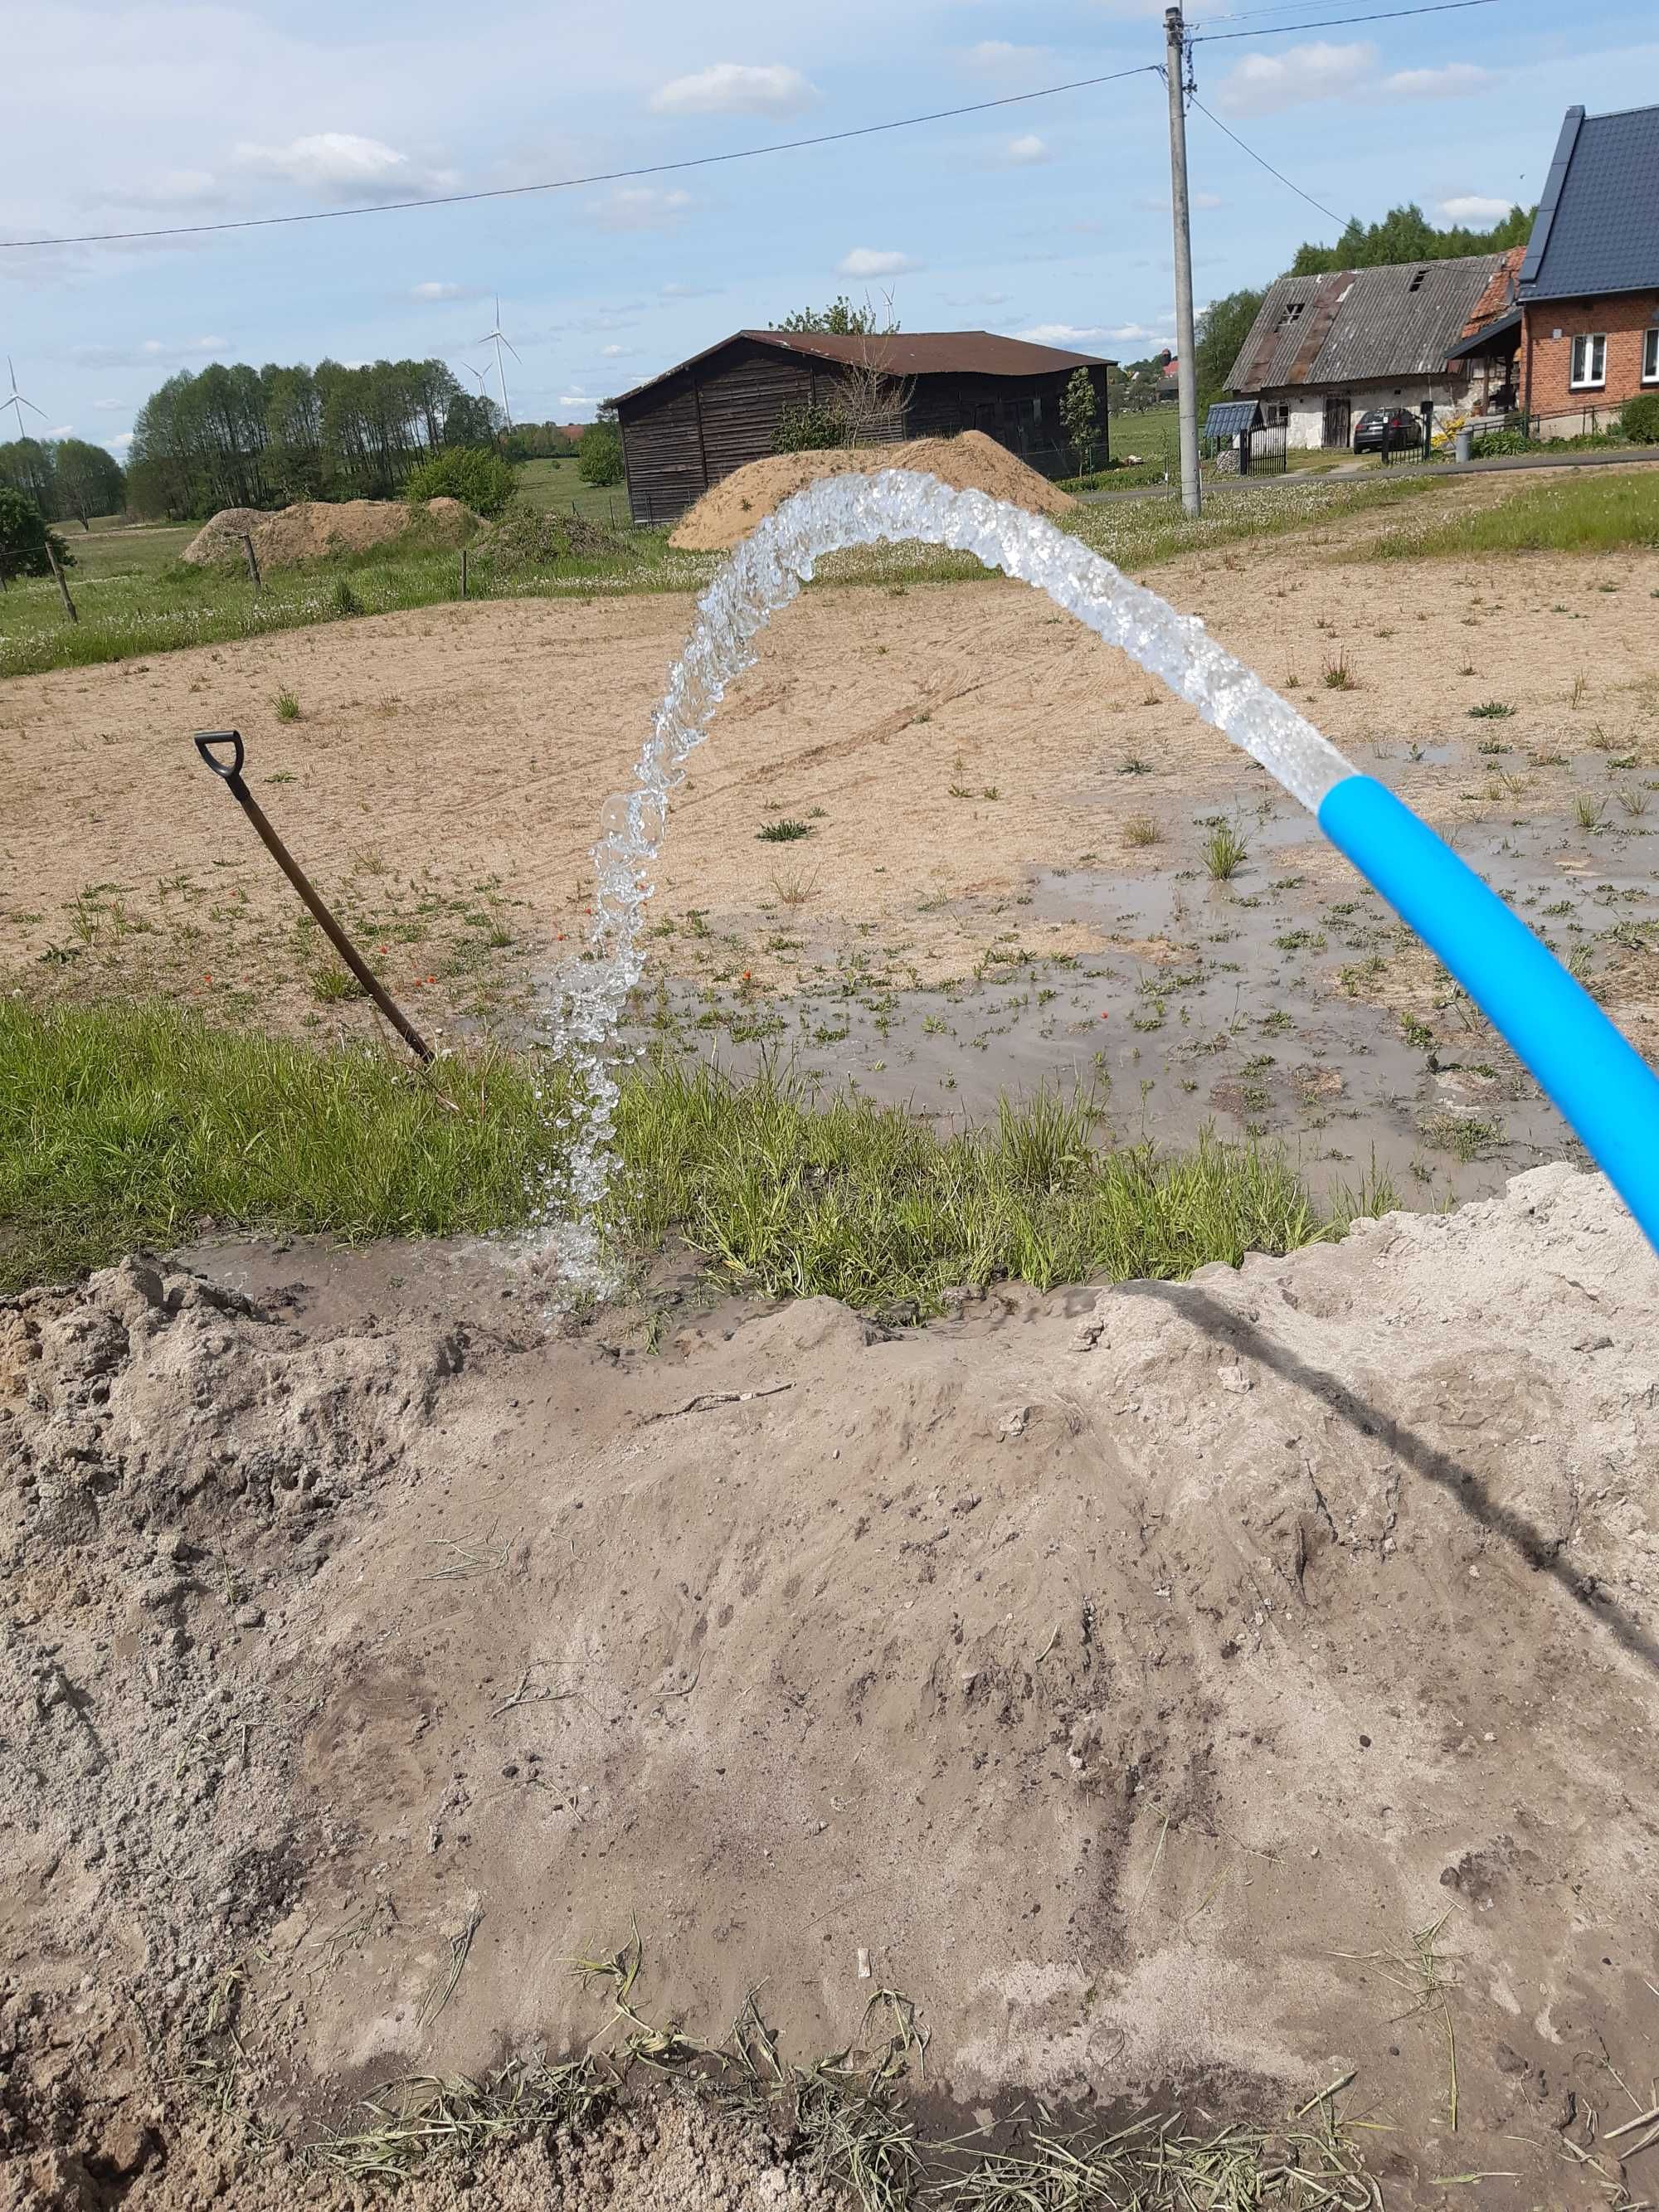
[[697, 426]]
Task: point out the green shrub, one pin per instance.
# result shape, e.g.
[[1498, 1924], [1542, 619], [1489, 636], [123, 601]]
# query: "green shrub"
[[528, 539], [599, 458], [1638, 419], [480, 480], [24, 536], [807, 430]]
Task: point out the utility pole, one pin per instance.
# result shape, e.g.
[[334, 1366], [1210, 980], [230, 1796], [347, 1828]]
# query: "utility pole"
[[1175, 32]]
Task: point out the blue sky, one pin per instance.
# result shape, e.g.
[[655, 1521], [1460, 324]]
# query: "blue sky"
[[1048, 219]]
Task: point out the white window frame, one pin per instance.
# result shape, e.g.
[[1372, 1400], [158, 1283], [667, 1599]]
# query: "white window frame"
[[1590, 340], [1650, 355]]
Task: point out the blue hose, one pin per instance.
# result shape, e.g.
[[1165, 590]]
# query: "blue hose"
[[1602, 1086]]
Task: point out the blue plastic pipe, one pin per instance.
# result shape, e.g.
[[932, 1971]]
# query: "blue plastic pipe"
[[1602, 1086]]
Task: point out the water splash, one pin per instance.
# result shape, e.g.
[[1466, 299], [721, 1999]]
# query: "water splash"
[[765, 573]]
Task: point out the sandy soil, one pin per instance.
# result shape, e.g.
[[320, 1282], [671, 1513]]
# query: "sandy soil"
[[1125, 1676], [460, 756], [729, 510]]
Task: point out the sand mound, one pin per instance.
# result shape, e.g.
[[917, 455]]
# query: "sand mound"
[[729, 510], [313, 527], [1124, 1675]]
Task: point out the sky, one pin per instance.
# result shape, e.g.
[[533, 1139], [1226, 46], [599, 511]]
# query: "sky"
[[1048, 219]]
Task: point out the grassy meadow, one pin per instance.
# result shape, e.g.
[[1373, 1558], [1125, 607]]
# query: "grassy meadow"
[[1578, 513]]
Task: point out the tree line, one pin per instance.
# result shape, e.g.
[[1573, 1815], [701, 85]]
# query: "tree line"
[[67, 479], [240, 436]]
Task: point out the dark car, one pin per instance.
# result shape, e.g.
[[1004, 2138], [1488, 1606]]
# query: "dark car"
[[1387, 429]]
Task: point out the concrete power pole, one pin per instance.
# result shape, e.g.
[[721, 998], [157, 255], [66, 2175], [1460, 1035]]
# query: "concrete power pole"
[[1186, 369]]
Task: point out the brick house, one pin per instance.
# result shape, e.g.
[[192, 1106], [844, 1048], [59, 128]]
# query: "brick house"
[[1590, 284]]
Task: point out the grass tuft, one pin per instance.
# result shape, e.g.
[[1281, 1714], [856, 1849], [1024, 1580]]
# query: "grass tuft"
[[1224, 852], [136, 1125], [786, 832]]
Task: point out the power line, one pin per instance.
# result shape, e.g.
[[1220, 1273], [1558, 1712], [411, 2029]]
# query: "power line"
[[1267, 166], [602, 177], [1336, 22]]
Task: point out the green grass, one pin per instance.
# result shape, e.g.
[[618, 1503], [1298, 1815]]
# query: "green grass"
[[1584, 514], [143, 608], [133, 1124], [558, 486]]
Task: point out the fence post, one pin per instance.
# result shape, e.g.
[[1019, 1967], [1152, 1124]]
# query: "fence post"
[[63, 583], [463, 572], [252, 561]]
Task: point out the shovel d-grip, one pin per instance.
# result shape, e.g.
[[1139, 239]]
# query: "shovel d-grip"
[[212, 744]]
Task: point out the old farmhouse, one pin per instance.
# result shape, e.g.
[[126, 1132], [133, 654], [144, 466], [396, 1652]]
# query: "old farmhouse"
[[694, 423], [1589, 285], [1324, 349]]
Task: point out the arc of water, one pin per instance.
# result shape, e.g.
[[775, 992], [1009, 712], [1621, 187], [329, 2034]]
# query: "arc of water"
[[1601, 1085]]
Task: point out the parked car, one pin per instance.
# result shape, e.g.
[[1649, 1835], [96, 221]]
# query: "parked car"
[[1389, 427]]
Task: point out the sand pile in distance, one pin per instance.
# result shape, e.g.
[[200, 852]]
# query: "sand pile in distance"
[[729, 510], [313, 527]]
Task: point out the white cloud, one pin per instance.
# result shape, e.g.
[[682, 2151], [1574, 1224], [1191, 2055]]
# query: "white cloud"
[[62, 430], [120, 442], [737, 88], [1263, 84], [1028, 148], [1455, 80], [639, 207], [1074, 334], [872, 261], [444, 292], [1473, 208], [329, 163], [617, 352]]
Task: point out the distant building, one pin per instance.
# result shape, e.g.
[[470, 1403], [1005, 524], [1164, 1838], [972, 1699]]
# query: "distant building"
[[1589, 284], [696, 423], [1324, 350]]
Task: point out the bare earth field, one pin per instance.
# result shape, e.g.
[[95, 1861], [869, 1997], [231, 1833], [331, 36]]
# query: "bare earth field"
[[1003, 881], [1194, 1695]]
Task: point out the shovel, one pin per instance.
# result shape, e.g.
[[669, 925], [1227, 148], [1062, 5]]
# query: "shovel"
[[209, 744]]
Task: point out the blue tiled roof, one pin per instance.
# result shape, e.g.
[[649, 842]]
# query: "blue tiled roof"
[[1597, 226]]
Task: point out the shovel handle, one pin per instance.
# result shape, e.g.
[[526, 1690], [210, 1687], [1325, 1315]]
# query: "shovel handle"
[[207, 740]]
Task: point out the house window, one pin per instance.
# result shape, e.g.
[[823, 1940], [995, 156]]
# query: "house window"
[[1416, 284], [1589, 363], [1292, 313], [1650, 356]]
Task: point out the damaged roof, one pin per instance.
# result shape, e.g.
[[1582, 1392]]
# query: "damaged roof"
[[1354, 325]]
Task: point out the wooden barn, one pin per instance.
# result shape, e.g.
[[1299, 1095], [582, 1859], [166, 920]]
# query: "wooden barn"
[[694, 423]]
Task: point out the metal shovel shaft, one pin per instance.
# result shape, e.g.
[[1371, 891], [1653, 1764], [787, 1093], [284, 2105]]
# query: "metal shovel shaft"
[[232, 774]]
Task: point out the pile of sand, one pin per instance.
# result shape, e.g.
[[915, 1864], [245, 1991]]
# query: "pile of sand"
[[729, 510], [313, 527], [1123, 1675]]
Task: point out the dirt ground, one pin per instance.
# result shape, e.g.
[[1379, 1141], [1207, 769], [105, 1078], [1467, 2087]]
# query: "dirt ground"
[[1195, 1694], [1044, 913]]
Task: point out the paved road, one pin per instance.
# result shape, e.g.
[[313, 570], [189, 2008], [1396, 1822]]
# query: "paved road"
[[1597, 457]]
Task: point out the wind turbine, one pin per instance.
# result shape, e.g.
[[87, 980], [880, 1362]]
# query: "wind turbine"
[[17, 402], [483, 375], [498, 336]]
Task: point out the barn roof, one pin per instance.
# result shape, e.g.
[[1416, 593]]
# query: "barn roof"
[[1401, 319], [1597, 226], [903, 353]]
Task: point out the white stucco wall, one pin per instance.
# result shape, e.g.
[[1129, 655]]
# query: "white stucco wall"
[[1306, 422]]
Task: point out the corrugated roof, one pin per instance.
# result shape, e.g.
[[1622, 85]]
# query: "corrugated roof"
[[1401, 319], [1597, 226], [905, 353]]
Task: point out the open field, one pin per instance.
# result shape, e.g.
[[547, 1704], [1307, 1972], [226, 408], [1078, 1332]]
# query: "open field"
[[1053, 918], [1172, 1738], [558, 486], [132, 603]]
